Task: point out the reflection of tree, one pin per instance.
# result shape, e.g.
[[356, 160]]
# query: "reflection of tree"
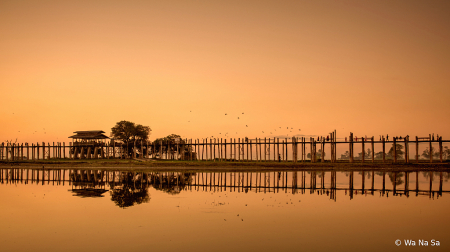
[[398, 180], [130, 190], [171, 183]]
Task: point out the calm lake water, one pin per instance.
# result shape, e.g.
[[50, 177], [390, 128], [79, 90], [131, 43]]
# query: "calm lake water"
[[107, 210]]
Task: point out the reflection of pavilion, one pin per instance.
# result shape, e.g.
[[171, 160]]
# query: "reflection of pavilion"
[[87, 183]]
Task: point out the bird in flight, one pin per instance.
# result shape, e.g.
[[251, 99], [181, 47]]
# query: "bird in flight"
[[245, 126], [225, 113], [238, 117]]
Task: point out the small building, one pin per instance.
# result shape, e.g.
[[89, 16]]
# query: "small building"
[[86, 139], [89, 136]]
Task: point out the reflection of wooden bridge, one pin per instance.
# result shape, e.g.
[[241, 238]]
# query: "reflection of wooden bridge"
[[261, 150], [258, 182]]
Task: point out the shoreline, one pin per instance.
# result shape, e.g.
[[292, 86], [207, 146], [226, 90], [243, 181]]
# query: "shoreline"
[[171, 165]]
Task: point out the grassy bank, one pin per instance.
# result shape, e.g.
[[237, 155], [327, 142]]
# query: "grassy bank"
[[172, 165]]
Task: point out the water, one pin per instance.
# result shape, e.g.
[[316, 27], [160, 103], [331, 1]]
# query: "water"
[[107, 210]]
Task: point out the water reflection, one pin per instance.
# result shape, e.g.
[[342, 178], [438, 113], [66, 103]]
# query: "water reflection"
[[131, 188]]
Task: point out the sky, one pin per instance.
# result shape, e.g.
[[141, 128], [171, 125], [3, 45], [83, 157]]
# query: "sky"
[[224, 69]]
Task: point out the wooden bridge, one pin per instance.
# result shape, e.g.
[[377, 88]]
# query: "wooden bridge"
[[235, 150]]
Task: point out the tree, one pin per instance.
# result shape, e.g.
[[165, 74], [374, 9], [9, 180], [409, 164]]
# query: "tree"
[[399, 151], [127, 132], [172, 140], [435, 153]]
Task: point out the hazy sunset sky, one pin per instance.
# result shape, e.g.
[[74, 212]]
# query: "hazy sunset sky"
[[367, 67]]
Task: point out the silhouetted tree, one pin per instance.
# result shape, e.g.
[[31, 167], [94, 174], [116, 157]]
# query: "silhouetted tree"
[[127, 132], [426, 153], [399, 150]]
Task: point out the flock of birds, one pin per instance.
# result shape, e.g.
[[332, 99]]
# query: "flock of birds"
[[271, 132]]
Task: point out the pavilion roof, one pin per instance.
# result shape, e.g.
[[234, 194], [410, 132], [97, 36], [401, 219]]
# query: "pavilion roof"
[[90, 134]]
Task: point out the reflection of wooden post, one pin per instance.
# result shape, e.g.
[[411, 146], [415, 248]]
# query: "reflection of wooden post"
[[384, 181], [431, 181], [406, 183], [395, 183], [417, 182], [363, 177]]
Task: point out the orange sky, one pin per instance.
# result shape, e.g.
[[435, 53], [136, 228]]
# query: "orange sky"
[[372, 67]]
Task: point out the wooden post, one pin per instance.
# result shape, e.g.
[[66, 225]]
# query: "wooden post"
[[82, 153], [160, 149], [21, 152], [373, 151], [431, 153], [260, 151], [406, 150], [28, 151], [225, 141], [322, 158], [239, 149], [37, 151], [203, 147], [440, 149], [251, 156], [265, 149], [278, 148], [363, 149], [417, 149], [351, 148], [7, 151], [384, 148], [89, 149], [395, 149], [190, 149], [142, 150], [95, 152], [211, 154], [286, 149]]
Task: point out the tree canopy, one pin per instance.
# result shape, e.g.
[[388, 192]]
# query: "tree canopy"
[[126, 131]]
